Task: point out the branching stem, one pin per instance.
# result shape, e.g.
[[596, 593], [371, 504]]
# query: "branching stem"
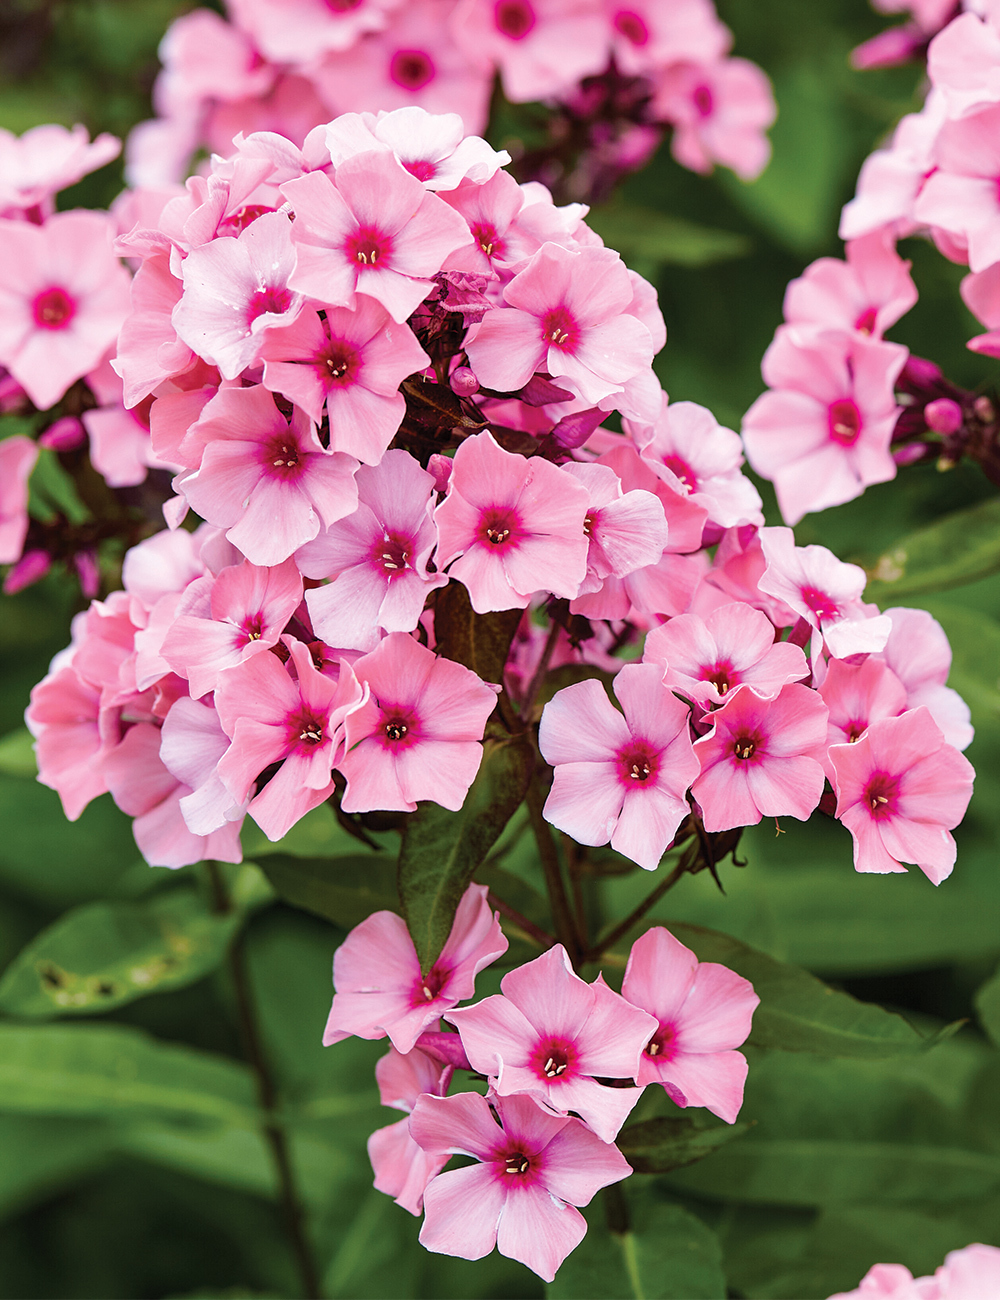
[[547, 852]]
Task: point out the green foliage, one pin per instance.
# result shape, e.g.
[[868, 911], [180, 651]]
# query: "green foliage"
[[656, 1146], [342, 890], [960, 547], [988, 1006], [643, 235]]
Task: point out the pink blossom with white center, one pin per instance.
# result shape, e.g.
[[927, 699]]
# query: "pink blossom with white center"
[[619, 778], [250, 608], [646, 36], [268, 482], [551, 1035], [567, 314], [63, 298], [534, 1168], [433, 147], [969, 1274], [379, 987], [416, 61], [45, 160], [376, 558], [491, 210], [822, 433], [919, 654], [825, 592], [720, 112], [402, 1168], [377, 232], [868, 292], [961, 196], [625, 530], [191, 744], [273, 718], [696, 457], [299, 31], [542, 47], [707, 658], [419, 733], [352, 363], [858, 694], [236, 292], [703, 1011], [900, 791], [511, 526], [761, 758], [18, 455]]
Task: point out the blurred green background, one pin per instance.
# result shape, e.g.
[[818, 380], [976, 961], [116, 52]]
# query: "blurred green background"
[[130, 1160]]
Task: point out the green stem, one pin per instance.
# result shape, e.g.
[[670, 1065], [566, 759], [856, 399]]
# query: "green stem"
[[531, 931], [535, 685], [561, 914], [609, 940]]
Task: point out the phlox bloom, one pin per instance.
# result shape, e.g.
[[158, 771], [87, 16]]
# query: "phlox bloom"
[[619, 777], [969, 1274], [17, 459], [534, 1168], [402, 1168], [379, 987]]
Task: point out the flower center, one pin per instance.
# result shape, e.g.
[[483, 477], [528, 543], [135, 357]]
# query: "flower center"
[[637, 764], [399, 727], [844, 421], [421, 168], [554, 1059], [392, 554], [720, 675], [703, 100], [631, 26], [516, 1163], [342, 6], [880, 795], [411, 69], [487, 238], [560, 329], [663, 1045], [253, 627], [238, 221], [744, 747], [688, 478], [396, 730], [274, 299], [822, 605], [515, 18], [339, 361], [865, 324], [429, 986], [368, 246], [54, 309], [284, 459], [499, 528], [309, 729]]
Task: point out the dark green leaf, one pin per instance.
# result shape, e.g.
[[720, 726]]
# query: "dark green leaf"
[[42, 1154], [957, 548], [343, 890], [479, 641], [655, 1146], [644, 234], [441, 850], [988, 1006]]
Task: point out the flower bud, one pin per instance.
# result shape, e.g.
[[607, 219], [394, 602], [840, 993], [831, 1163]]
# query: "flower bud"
[[63, 435]]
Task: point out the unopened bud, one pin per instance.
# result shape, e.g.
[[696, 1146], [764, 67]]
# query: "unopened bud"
[[440, 466], [64, 435], [31, 567], [464, 382], [85, 563], [985, 409], [908, 453], [943, 416], [12, 395]]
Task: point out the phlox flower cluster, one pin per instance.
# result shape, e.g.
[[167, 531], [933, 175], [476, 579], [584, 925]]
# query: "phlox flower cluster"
[[969, 1274], [629, 67], [564, 1062]]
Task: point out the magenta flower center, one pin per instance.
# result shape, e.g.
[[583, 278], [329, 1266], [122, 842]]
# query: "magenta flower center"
[[253, 628], [342, 6], [514, 1164], [428, 987], [422, 168], [844, 420], [338, 363], [745, 746], [411, 69], [515, 18], [822, 605], [560, 329], [638, 764], [687, 476], [282, 458], [399, 729], [631, 26], [392, 554], [865, 324], [721, 675], [880, 795], [238, 221], [306, 730], [54, 309], [554, 1059], [485, 235], [703, 100], [275, 299], [500, 528], [368, 246], [663, 1045]]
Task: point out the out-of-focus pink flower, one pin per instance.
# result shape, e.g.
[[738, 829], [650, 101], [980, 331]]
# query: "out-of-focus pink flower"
[[619, 778], [969, 1274], [63, 298], [900, 791], [300, 31], [963, 62], [960, 197], [868, 292], [549, 1033], [45, 160], [419, 733], [704, 1012], [720, 112], [511, 526], [646, 35], [918, 653], [402, 1168], [533, 1168], [379, 987], [64, 719], [17, 459], [981, 294], [761, 758]]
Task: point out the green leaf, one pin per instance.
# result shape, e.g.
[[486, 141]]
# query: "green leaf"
[[343, 890], [17, 758], [50, 489], [666, 1254], [441, 850], [988, 1007], [103, 955], [43, 1154], [655, 1146], [108, 1070], [959, 547], [644, 234], [479, 641]]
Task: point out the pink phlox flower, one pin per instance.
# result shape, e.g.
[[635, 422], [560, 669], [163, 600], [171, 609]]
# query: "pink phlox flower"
[[822, 433], [419, 733], [433, 147], [737, 567], [269, 482], [300, 31], [686, 517], [969, 1274], [619, 778], [105, 649], [379, 987], [120, 444], [542, 47], [237, 191], [720, 112], [142, 787], [192, 742], [918, 653], [64, 718], [963, 62], [376, 558], [625, 530], [824, 591], [981, 294], [698, 458], [377, 232], [900, 791], [511, 526], [549, 222], [402, 1168], [550, 1035], [646, 36], [533, 1169], [703, 1012], [868, 292], [272, 717], [567, 314], [149, 349], [761, 758], [161, 564], [858, 694], [18, 455], [250, 608], [491, 210], [353, 363], [206, 58], [960, 197], [236, 292], [707, 658], [46, 159], [63, 298]]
